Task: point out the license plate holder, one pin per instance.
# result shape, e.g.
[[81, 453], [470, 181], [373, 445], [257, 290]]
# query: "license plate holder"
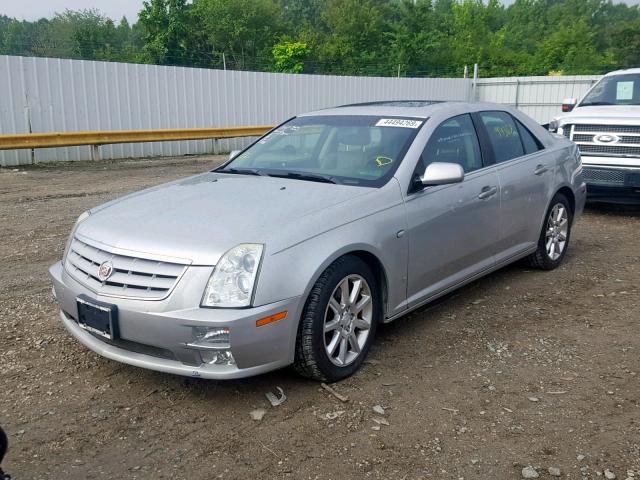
[[98, 317]]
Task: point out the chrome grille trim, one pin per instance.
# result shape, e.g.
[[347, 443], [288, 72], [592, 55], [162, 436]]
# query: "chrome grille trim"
[[132, 277], [608, 128], [627, 143], [609, 150]]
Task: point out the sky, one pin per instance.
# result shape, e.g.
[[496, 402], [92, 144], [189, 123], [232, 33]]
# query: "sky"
[[34, 9]]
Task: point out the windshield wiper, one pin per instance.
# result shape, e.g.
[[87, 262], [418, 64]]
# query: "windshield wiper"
[[311, 177], [597, 104], [242, 171]]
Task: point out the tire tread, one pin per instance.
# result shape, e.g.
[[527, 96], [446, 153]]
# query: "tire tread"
[[539, 259], [306, 361]]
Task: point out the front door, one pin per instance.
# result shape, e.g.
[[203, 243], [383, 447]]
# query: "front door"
[[453, 229]]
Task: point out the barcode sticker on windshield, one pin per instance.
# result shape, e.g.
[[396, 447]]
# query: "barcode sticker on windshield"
[[398, 122]]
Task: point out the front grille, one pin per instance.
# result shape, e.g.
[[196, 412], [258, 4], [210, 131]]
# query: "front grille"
[[608, 128], [627, 145], [613, 150], [624, 139], [132, 277], [600, 175]]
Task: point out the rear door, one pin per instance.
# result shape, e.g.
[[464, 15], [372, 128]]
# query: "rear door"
[[524, 172], [453, 229]]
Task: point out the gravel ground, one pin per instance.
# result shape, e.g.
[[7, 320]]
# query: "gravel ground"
[[520, 369]]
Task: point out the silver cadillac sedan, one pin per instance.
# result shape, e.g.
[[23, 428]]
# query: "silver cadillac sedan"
[[296, 249]]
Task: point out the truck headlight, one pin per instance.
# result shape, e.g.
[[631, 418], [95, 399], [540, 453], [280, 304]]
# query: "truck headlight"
[[233, 279], [83, 216]]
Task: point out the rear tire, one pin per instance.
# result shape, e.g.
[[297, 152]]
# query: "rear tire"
[[554, 237], [339, 321]]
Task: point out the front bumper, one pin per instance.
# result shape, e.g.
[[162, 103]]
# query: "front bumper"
[[615, 184], [155, 335]]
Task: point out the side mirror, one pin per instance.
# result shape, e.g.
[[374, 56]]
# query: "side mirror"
[[568, 104], [440, 173], [233, 154]]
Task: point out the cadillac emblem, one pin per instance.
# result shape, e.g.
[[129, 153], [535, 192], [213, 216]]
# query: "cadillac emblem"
[[105, 270]]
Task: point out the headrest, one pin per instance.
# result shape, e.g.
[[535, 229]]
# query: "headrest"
[[359, 136]]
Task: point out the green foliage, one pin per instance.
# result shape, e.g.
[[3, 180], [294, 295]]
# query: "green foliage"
[[289, 56], [363, 37], [166, 30], [245, 30]]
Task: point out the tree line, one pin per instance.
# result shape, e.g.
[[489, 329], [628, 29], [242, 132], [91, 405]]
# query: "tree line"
[[412, 38]]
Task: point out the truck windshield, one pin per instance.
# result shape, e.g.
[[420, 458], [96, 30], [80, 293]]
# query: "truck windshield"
[[615, 90], [346, 149]]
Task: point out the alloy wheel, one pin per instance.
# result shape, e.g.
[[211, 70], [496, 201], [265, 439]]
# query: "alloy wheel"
[[347, 320], [557, 231]]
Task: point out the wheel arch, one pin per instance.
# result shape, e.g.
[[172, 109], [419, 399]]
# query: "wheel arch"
[[367, 255], [571, 197]]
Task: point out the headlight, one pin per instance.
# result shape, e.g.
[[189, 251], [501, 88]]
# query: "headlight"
[[83, 216], [233, 279]]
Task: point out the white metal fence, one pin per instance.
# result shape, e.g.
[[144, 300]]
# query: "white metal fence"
[[538, 97], [48, 95]]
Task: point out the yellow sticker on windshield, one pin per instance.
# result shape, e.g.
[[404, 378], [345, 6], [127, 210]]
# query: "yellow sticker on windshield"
[[382, 161]]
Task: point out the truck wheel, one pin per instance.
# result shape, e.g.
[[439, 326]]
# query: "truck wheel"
[[339, 321]]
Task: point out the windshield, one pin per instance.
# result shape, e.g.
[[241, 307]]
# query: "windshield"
[[346, 149], [615, 90]]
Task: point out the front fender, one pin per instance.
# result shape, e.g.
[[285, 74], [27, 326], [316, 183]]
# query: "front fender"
[[294, 270]]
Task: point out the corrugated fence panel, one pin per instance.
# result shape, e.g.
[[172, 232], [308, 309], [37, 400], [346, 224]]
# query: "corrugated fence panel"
[[538, 97], [49, 95], [13, 107]]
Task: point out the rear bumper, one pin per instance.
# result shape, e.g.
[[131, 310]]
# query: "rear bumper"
[[157, 340]]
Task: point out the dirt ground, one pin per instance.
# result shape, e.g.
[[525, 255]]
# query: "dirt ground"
[[522, 368]]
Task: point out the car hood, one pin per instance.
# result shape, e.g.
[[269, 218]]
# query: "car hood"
[[199, 218], [620, 115]]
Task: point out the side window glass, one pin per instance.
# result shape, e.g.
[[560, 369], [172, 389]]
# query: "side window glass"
[[503, 135], [454, 141], [531, 143]]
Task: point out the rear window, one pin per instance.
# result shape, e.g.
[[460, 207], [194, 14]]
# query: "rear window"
[[503, 135], [529, 141]]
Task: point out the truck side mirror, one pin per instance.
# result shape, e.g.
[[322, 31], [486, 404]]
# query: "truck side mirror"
[[568, 104]]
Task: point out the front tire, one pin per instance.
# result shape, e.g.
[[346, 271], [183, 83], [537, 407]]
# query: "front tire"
[[339, 321], [554, 237]]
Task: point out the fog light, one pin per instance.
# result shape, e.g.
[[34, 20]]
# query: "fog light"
[[217, 357], [210, 338], [214, 345]]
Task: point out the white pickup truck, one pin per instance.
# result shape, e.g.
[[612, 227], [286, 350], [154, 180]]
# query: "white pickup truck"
[[605, 125]]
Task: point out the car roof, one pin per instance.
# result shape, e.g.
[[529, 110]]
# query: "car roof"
[[404, 108], [626, 71]]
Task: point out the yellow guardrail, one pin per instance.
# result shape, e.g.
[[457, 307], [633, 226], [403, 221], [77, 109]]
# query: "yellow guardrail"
[[73, 139]]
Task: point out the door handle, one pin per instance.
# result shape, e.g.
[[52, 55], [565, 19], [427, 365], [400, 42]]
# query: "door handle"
[[540, 169], [487, 192]]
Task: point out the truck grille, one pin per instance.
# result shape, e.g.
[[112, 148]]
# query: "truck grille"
[[608, 128], [628, 144], [132, 277], [600, 175]]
